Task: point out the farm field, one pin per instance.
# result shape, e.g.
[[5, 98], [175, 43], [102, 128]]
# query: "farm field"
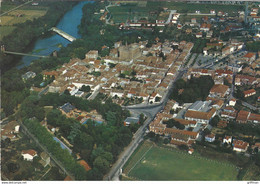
[[20, 15], [155, 163]]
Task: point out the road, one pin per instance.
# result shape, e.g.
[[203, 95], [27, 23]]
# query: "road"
[[249, 106], [15, 8], [170, 16], [150, 111]]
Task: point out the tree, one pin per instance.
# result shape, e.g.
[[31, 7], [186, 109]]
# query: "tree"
[[53, 118], [166, 141], [214, 121], [183, 147], [157, 99], [101, 164], [151, 135], [141, 119], [133, 127], [74, 132], [66, 92], [111, 118], [13, 167], [83, 141], [85, 88]]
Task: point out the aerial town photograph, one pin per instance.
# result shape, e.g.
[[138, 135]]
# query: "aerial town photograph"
[[109, 90]]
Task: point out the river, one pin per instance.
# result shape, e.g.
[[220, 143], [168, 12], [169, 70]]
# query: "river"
[[69, 24]]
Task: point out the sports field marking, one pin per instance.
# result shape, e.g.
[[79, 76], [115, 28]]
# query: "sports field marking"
[[140, 159]]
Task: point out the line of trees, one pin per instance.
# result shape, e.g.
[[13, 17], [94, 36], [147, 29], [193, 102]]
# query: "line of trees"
[[54, 148], [98, 144]]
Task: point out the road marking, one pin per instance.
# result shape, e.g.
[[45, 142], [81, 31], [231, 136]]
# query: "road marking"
[[139, 160]]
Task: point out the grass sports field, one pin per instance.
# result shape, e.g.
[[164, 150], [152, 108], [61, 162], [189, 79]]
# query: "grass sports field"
[[135, 10], [154, 163]]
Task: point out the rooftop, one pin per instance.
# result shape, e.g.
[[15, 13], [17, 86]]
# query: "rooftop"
[[67, 107], [202, 106]]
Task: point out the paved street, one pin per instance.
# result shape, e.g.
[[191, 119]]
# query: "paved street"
[[150, 111]]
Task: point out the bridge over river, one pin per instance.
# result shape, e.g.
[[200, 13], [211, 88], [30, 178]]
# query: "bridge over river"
[[63, 34], [23, 54]]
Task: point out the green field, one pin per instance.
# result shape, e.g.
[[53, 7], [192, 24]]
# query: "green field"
[[132, 11], [20, 15], [183, 7], [163, 164]]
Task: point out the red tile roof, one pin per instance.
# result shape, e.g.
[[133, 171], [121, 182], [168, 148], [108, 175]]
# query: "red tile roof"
[[68, 178], [30, 152], [84, 164], [242, 116], [200, 115], [219, 88], [249, 55], [249, 92], [240, 144]]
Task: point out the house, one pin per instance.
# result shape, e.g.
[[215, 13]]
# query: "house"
[[227, 139], [240, 146], [250, 57], [222, 124], [245, 80], [210, 137], [232, 102], [199, 35], [234, 67], [219, 90], [130, 120], [190, 151], [47, 74], [10, 130], [212, 12], [67, 108], [218, 104], [45, 159], [205, 27], [242, 116], [154, 96], [256, 146], [193, 20], [28, 75], [255, 118], [29, 154], [92, 54], [249, 92], [84, 164]]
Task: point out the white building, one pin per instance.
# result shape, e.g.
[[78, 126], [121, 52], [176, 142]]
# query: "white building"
[[29, 154], [227, 139], [232, 102]]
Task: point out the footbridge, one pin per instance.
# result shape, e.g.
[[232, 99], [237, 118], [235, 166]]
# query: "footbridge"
[[63, 34], [23, 54]]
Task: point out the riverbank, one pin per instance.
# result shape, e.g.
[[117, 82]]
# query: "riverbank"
[[26, 33]]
